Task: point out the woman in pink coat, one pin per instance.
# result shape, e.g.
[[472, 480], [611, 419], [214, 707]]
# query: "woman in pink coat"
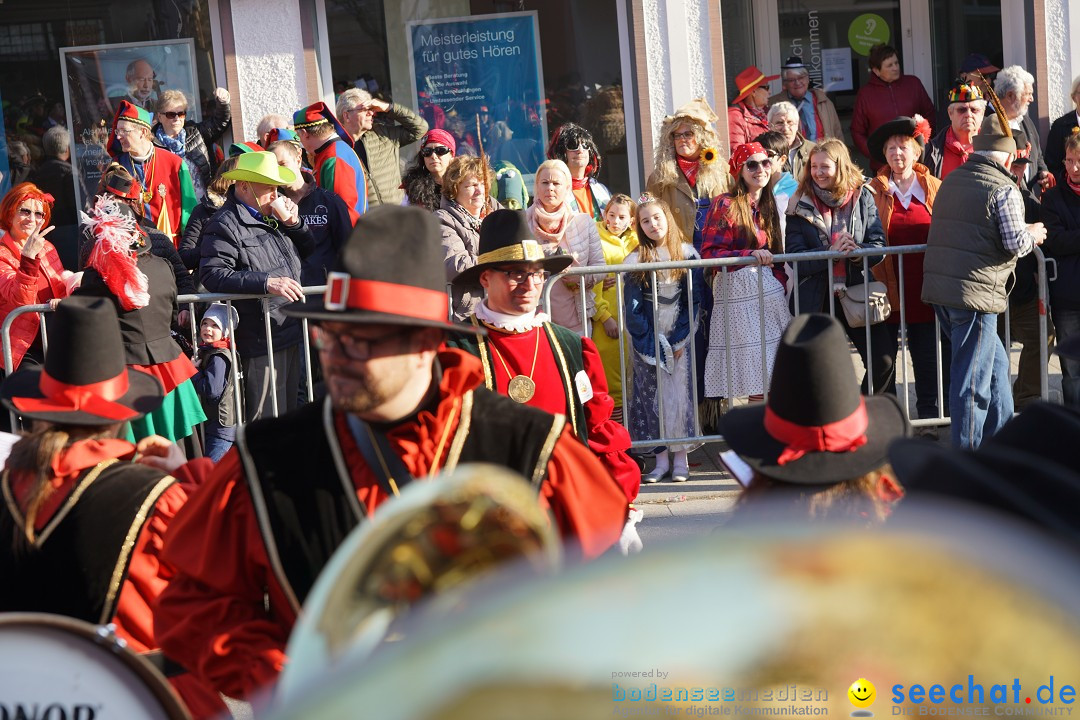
[[747, 114]]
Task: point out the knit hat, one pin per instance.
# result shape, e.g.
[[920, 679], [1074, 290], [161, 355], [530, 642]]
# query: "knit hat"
[[741, 154], [219, 313], [317, 114], [442, 137], [963, 92]]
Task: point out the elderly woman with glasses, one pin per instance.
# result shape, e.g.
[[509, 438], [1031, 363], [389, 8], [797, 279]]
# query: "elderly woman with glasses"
[[423, 178], [190, 140], [30, 269]]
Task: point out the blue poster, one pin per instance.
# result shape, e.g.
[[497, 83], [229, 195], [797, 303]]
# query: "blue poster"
[[5, 171], [483, 68]]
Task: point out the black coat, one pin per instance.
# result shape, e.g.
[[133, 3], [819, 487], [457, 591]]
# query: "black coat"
[[1061, 214], [146, 331], [191, 242], [160, 245], [240, 253], [200, 136], [1055, 142]]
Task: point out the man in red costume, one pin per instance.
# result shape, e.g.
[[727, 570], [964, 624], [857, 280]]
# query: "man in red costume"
[[534, 361], [168, 192], [400, 406]]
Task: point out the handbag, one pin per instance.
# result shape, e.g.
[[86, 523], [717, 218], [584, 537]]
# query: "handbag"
[[865, 304]]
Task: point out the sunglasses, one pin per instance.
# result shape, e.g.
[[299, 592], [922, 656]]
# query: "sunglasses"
[[173, 114], [575, 144], [27, 212], [755, 165], [439, 150]]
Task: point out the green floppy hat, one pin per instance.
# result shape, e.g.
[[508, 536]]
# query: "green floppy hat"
[[260, 167]]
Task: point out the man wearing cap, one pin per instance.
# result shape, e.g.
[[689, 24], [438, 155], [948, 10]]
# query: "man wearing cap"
[[400, 407], [951, 146], [378, 130], [978, 232], [746, 115], [330, 149], [168, 192], [817, 113], [526, 356], [253, 244], [974, 66]]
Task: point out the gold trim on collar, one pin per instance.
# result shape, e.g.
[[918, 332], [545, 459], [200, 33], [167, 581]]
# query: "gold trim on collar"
[[121, 567], [76, 493], [540, 469], [564, 370], [489, 377], [524, 251]]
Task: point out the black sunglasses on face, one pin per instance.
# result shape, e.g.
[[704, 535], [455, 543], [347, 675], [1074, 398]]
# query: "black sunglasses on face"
[[439, 150], [173, 114], [575, 144]]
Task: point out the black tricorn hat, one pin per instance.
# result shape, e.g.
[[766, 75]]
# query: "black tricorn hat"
[[85, 380], [1029, 469], [816, 428], [505, 237], [901, 125], [390, 272]]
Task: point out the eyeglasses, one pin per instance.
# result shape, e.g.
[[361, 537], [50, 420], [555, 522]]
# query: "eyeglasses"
[[518, 276], [684, 135], [439, 150], [173, 114], [351, 346], [796, 80], [754, 165], [124, 132], [27, 212], [784, 123]]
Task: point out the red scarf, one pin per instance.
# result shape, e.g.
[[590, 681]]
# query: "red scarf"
[[689, 169], [956, 153], [222, 344], [579, 184]]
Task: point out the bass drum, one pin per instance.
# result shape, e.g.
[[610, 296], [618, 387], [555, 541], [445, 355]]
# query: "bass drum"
[[57, 667]]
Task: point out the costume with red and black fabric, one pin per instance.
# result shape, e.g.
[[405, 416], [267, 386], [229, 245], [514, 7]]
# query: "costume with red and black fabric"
[[166, 177], [338, 168], [569, 377], [213, 617], [27, 281], [82, 546]]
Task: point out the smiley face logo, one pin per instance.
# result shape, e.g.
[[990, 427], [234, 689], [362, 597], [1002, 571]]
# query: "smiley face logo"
[[862, 694]]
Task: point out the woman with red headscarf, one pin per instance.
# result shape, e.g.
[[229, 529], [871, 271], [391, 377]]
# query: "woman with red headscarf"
[[30, 269]]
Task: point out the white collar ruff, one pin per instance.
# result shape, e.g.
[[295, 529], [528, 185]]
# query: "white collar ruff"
[[510, 323]]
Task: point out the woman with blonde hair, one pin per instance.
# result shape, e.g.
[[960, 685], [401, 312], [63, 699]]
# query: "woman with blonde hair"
[[464, 205], [192, 140], [834, 210], [562, 229]]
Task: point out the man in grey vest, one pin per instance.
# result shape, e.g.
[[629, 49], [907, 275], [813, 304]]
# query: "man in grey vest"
[[976, 235]]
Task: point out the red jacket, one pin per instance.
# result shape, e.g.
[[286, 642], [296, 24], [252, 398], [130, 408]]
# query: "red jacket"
[[878, 102], [743, 125], [27, 282]]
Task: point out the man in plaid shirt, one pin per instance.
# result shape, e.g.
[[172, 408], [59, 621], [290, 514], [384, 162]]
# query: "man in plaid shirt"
[[976, 235]]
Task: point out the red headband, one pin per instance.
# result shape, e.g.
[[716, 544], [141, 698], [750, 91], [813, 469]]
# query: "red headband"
[[442, 137], [344, 293], [742, 152], [95, 398], [840, 436]]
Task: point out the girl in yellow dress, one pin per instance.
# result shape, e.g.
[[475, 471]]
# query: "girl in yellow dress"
[[618, 239]]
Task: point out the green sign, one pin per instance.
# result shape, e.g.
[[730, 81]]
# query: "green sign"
[[866, 31]]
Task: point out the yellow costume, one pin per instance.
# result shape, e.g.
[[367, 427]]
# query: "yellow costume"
[[616, 248]]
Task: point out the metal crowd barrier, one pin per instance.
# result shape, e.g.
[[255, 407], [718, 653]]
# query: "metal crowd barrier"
[[792, 261]]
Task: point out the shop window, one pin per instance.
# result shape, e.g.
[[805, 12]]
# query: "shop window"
[[580, 63]]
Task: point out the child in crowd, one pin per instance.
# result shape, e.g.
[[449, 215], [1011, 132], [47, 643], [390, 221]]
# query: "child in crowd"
[[661, 381], [214, 381], [618, 239]]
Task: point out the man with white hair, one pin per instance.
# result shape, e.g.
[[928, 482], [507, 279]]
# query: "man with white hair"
[[1015, 86], [951, 146], [271, 122], [817, 114], [784, 119], [977, 234], [378, 130]]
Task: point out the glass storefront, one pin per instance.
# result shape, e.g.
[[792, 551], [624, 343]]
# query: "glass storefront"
[[32, 88], [485, 62]]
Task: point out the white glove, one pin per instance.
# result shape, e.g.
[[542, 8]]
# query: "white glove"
[[222, 95], [629, 540]]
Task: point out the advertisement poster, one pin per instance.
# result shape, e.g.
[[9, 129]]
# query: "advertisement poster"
[[98, 77], [836, 69], [460, 65]]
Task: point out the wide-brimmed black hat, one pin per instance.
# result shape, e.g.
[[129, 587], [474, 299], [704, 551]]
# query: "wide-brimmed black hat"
[[85, 380], [390, 272], [816, 427], [1029, 469], [901, 125], [505, 237]]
